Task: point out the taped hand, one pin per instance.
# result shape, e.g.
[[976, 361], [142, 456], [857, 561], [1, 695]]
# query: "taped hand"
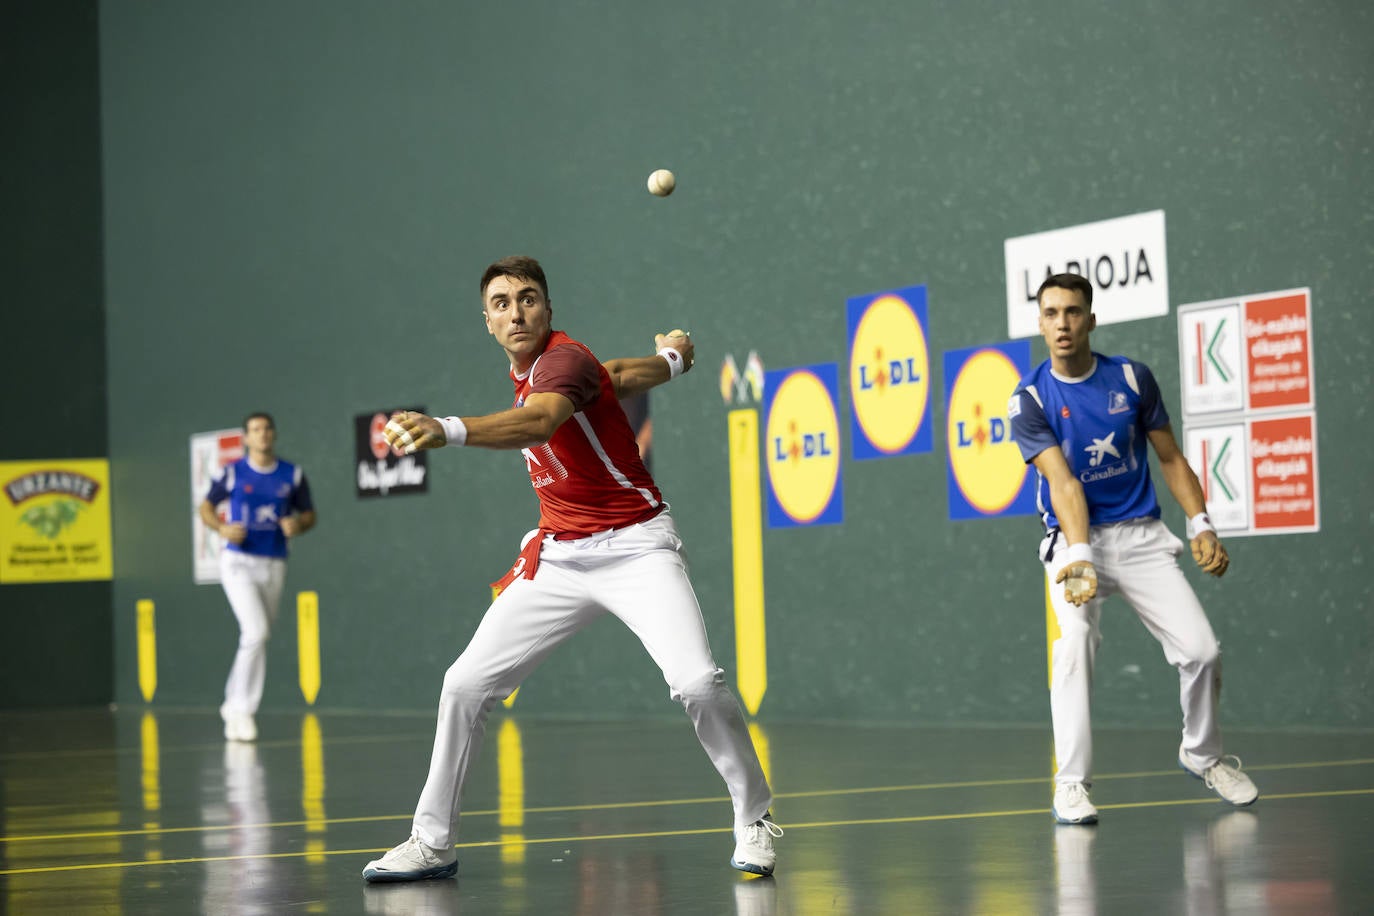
[[410, 431], [1080, 582]]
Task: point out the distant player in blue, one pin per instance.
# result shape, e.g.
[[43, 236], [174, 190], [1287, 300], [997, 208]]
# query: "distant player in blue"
[[1084, 421], [268, 502]]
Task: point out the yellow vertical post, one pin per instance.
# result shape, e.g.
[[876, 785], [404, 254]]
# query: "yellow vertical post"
[[1052, 633], [746, 528], [147, 650], [760, 739], [308, 644], [509, 701]]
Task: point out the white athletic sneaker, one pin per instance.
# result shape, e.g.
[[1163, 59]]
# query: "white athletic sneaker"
[[1224, 779], [412, 861], [238, 726], [1071, 805], [754, 846]]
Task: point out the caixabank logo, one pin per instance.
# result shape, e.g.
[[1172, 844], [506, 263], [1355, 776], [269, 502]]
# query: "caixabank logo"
[[987, 476], [889, 374], [802, 446]]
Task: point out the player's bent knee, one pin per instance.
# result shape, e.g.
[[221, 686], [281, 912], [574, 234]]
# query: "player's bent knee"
[[704, 686], [468, 679], [1203, 654], [252, 642]]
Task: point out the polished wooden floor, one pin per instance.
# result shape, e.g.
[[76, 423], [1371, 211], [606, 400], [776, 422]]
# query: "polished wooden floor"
[[138, 812]]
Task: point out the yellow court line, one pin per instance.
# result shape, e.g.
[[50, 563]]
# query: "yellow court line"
[[537, 841], [653, 803]]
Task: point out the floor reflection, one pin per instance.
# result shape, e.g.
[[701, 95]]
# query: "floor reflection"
[[237, 874], [1075, 876], [756, 897], [1213, 858], [421, 898]]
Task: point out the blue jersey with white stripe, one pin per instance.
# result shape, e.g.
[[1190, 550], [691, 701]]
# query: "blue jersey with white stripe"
[[1101, 422], [259, 500]]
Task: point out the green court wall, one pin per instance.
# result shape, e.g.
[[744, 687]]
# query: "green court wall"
[[299, 200]]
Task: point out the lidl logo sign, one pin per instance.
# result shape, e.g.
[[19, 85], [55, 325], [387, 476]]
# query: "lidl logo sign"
[[987, 476], [889, 373], [802, 446]]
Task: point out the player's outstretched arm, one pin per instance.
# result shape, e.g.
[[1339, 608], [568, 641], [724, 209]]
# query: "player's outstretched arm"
[[533, 423], [635, 374], [1079, 576], [1208, 551]]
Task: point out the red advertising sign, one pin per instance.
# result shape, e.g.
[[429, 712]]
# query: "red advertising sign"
[[1278, 342], [1283, 466]]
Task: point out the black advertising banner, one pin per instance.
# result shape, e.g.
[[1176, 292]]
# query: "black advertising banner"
[[383, 470]]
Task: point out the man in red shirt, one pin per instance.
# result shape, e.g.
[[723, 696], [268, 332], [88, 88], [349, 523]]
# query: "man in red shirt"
[[605, 544]]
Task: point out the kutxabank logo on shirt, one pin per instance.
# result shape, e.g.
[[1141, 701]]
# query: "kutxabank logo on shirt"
[[381, 469]]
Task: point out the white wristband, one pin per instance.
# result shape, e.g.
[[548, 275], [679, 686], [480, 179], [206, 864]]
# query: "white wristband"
[[674, 359], [1198, 524], [1075, 553], [454, 430]]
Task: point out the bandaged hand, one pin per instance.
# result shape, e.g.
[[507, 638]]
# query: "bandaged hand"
[[1209, 554], [410, 431], [1080, 582]]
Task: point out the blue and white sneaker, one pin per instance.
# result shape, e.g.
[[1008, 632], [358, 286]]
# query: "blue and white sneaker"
[[754, 846], [1071, 804], [412, 861]]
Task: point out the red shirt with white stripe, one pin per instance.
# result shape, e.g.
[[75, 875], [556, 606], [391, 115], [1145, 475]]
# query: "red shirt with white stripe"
[[588, 476]]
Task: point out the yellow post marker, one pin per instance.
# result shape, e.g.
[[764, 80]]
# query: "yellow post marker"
[[1052, 633], [147, 650], [746, 528], [509, 701], [760, 739], [1051, 630], [308, 644]]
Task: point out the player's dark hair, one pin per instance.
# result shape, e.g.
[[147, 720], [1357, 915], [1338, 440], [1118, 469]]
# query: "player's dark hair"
[[260, 414], [1072, 282], [517, 265]]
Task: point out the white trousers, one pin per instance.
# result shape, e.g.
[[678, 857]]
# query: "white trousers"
[[1138, 560], [637, 574], [253, 585]]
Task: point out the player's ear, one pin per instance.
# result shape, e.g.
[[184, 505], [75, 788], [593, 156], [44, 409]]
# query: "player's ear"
[[1092, 321]]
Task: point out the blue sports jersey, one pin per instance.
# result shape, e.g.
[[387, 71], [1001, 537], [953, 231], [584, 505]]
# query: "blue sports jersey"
[[1101, 422], [259, 500]]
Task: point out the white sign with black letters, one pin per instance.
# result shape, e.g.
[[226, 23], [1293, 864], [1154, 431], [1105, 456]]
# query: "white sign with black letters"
[[1124, 258]]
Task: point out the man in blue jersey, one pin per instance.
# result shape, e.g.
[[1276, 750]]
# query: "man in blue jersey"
[[1084, 421], [268, 501]]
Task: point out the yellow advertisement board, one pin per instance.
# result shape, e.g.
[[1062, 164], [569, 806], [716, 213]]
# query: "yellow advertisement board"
[[55, 520]]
